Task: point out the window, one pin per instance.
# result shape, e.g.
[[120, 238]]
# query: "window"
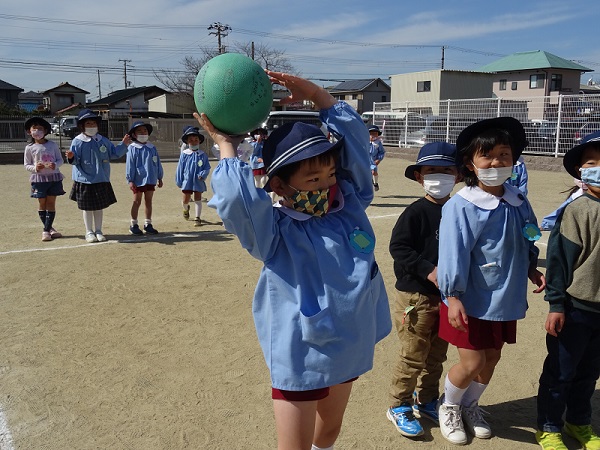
[[354, 96], [513, 86], [536, 81], [502, 85], [423, 86], [556, 82]]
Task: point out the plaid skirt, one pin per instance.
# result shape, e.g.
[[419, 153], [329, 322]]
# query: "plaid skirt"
[[92, 197]]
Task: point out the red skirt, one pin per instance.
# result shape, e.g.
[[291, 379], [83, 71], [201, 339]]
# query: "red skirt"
[[480, 334]]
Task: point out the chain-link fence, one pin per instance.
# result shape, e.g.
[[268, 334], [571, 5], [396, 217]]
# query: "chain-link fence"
[[553, 124]]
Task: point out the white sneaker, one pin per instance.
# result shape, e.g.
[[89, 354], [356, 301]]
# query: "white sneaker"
[[100, 236], [451, 424], [475, 423], [90, 237]]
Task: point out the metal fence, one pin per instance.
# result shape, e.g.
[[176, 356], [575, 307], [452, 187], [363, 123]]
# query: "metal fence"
[[165, 136], [553, 124]]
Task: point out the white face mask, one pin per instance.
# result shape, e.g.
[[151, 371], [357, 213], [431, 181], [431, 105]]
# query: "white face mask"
[[37, 134], [93, 131], [494, 176], [194, 147], [438, 185], [143, 138]]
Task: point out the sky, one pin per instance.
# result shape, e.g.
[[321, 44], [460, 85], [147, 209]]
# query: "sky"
[[43, 44]]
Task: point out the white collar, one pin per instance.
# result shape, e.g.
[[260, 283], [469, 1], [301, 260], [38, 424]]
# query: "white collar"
[[189, 151], [485, 200], [140, 145], [297, 215], [85, 138]]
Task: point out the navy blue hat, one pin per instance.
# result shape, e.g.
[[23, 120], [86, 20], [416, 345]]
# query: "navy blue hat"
[[439, 154], [140, 123], [191, 131], [293, 142], [86, 114], [374, 128], [511, 125], [573, 157], [38, 121]]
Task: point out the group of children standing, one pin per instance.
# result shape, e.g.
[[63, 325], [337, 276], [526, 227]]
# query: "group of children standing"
[[462, 263], [90, 154]]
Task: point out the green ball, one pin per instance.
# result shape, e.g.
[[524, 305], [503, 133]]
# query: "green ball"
[[234, 92]]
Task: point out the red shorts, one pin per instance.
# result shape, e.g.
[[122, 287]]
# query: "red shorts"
[[257, 172], [145, 188], [189, 191], [480, 334], [303, 396]]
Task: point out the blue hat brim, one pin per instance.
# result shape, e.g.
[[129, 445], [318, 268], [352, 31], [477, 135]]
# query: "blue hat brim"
[[312, 151], [140, 124], [572, 158], [410, 170]]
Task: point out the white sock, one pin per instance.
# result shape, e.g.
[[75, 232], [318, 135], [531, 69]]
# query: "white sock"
[[147, 221], [452, 394], [314, 447], [134, 222], [473, 393], [198, 204], [98, 220], [186, 206], [88, 220], [375, 179]]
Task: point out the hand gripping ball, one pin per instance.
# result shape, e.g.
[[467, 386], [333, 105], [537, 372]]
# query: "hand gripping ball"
[[234, 92]]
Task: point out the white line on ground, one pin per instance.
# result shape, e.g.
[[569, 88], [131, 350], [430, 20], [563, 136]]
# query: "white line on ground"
[[6, 440]]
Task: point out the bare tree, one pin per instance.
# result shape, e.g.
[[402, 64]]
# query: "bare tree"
[[182, 81]]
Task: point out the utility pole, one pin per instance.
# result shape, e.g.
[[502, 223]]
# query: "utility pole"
[[99, 86], [221, 30], [252, 50], [125, 61], [443, 50]]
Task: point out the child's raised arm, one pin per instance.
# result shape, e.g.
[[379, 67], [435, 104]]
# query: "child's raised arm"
[[302, 89]]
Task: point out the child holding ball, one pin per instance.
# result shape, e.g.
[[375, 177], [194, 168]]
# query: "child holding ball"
[[320, 305]]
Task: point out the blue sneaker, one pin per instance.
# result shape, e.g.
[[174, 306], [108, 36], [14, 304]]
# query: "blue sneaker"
[[427, 410], [404, 419], [135, 230], [149, 229]]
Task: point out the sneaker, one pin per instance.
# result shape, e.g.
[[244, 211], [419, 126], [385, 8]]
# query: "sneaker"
[[186, 214], [403, 418], [90, 237], [584, 434], [197, 222], [100, 237], [451, 424], [150, 229], [550, 441], [474, 422], [55, 234], [426, 410], [376, 186], [135, 229], [46, 236]]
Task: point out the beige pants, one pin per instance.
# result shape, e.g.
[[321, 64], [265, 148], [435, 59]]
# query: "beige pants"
[[422, 352]]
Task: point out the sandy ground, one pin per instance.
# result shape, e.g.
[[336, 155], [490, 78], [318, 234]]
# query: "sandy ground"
[[148, 342]]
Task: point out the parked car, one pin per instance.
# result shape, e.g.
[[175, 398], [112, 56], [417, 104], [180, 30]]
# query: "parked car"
[[424, 129], [546, 137], [279, 118], [591, 126], [68, 126]]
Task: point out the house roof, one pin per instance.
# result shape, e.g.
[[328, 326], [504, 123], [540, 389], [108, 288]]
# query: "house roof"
[[538, 59], [124, 94], [356, 85], [9, 87], [30, 95], [65, 85]]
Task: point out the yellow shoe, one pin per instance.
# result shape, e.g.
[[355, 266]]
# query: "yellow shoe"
[[584, 434], [550, 441]]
